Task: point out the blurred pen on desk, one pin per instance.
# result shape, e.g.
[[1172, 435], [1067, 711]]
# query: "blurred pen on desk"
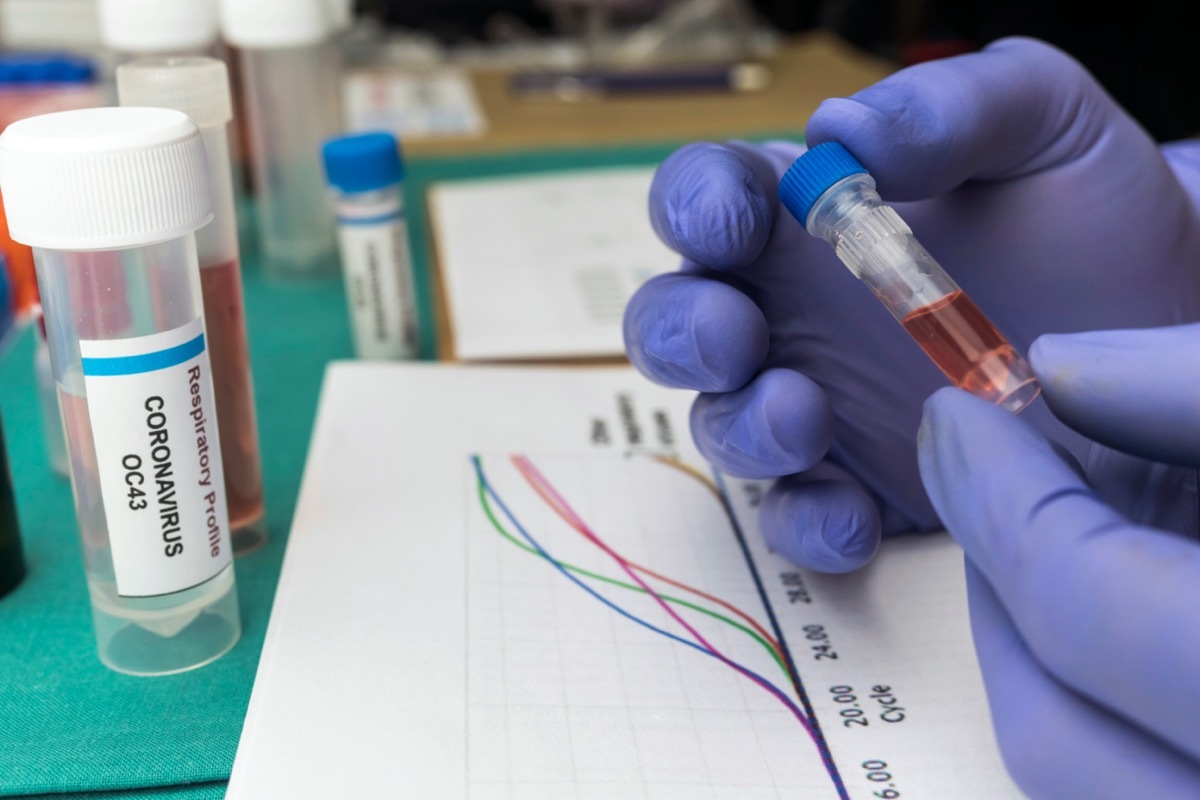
[[594, 84]]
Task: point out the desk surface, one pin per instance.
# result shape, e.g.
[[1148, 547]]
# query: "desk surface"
[[81, 728], [806, 70]]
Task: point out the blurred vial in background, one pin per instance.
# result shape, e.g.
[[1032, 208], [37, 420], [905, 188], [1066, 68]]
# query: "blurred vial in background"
[[132, 29], [199, 87], [291, 78], [366, 175]]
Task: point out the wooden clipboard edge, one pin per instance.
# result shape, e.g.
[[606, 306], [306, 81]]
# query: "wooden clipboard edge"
[[442, 313]]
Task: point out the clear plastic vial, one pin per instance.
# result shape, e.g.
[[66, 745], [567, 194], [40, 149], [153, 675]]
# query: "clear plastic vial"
[[52, 426], [199, 87], [832, 195], [109, 199], [365, 173], [291, 78]]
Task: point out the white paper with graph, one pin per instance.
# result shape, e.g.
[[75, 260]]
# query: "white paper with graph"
[[516, 583]]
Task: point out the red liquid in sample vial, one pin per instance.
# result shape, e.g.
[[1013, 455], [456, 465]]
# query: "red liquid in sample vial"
[[968, 348], [225, 325]]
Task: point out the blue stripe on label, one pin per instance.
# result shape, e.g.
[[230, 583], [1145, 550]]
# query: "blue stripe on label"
[[369, 220], [145, 362]]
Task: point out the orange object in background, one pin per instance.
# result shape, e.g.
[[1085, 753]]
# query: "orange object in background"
[[20, 267], [33, 83]]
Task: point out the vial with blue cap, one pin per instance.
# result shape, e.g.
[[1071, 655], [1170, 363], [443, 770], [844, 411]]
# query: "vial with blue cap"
[[365, 173], [834, 198]]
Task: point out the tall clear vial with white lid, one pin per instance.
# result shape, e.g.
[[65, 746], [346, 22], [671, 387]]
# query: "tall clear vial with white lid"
[[199, 87], [366, 174], [132, 29], [291, 77], [109, 199]]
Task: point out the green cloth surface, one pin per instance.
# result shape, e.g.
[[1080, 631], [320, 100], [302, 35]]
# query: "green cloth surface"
[[70, 727], [214, 790]]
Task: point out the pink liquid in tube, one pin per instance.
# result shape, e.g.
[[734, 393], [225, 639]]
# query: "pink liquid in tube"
[[967, 347], [225, 326]]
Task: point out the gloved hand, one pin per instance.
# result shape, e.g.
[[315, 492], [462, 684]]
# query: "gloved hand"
[[1084, 623], [1040, 196]]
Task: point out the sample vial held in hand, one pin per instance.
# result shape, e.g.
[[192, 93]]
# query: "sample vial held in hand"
[[832, 195]]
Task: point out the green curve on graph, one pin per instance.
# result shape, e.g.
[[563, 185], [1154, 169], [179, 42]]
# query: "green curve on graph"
[[491, 515]]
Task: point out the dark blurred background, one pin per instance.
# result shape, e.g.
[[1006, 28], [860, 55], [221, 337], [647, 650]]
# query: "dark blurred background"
[[1145, 56]]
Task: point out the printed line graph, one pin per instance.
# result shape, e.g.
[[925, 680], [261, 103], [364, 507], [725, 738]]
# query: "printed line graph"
[[463, 657], [755, 630], [633, 504]]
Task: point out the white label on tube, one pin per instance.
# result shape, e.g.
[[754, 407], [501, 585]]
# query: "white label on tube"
[[378, 274], [150, 402]]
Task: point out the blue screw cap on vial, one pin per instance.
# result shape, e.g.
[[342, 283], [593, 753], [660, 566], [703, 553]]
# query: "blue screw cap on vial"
[[363, 162], [812, 174], [35, 69]]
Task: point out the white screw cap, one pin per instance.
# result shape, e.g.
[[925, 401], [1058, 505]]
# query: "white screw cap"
[[103, 178], [274, 23], [158, 26]]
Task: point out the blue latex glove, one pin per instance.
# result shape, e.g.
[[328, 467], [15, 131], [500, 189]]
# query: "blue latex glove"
[[1084, 623], [1036, 192]]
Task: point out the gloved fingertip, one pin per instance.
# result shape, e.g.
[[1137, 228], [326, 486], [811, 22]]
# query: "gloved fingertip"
[[942, 455], [987, 473], [941, 412], [1054, 359], [1104, 360], [837, 119], [689, 332], [780, 423], [732, 338], [798, 415], [1129, 389], [826, 525], [707, 204], [894, 136]]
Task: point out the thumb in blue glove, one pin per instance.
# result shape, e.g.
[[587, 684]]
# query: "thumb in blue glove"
[[1084, 622]]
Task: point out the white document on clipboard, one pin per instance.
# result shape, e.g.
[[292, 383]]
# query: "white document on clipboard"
[[540, 267]]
